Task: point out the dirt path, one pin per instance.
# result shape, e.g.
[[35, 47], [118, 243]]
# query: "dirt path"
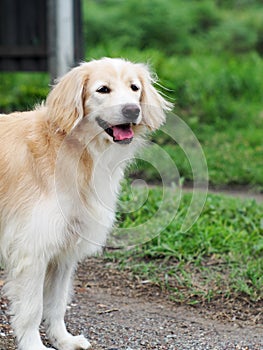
[[241, 192], [118, 312]]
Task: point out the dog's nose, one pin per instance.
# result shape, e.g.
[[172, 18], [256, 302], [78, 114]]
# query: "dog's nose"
[[131, 112]]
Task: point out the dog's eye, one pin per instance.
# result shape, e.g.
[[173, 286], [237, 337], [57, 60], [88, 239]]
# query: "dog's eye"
[[134, 87], [104, 89]]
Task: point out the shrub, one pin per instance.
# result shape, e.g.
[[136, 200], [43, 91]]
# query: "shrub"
[[234, 36], [217, 89], [175, 26], [164, 25]]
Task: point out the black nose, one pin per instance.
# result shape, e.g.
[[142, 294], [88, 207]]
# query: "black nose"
[[131, 112]]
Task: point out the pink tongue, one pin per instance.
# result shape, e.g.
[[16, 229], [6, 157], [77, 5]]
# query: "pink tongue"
[[122, 134]]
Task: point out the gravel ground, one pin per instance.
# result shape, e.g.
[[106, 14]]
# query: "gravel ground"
[[133, 315]]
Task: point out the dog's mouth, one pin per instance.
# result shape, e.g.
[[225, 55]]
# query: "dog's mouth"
[[120, 133]]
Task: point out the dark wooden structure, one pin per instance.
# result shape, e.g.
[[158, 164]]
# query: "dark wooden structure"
[[28, 31]]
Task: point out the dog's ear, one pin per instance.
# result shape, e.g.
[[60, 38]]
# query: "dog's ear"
[[66, 101], [153, 104]]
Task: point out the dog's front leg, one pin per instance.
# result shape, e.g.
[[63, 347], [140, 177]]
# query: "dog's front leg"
[[56, 295], [25, 291]]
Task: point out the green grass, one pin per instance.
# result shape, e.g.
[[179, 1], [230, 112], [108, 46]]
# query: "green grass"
[[234, 157], [22, 91], [219, 256]]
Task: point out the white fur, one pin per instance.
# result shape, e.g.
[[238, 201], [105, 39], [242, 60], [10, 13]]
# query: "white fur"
[[60, 178]]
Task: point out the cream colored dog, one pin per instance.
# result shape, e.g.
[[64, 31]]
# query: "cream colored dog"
[[60, 170]]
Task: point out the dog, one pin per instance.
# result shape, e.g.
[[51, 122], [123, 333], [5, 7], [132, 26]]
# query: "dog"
[[60, 170]]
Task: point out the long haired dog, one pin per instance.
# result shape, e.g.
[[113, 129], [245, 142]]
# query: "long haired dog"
[[60, 169]]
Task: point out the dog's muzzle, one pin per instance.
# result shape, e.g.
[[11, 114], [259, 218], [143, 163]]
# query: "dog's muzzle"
[[123, 132]]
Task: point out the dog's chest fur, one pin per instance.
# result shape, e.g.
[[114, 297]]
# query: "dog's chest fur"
[[91, 216]]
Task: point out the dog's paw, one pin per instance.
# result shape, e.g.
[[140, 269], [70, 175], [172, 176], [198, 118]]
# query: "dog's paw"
[[78, 342]]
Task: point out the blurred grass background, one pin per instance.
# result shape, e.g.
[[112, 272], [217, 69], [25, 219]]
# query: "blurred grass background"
[[208, 56]]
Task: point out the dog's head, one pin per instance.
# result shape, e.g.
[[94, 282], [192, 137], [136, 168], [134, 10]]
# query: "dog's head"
[[115, 96]]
